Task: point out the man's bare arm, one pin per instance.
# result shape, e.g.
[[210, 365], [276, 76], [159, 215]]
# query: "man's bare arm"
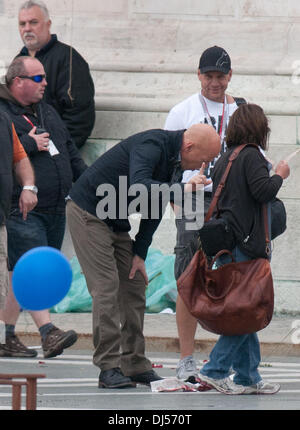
[[25, 176]]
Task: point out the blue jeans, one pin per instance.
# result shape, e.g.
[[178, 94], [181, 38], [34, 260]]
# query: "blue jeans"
[[241, 353], [39, 229]]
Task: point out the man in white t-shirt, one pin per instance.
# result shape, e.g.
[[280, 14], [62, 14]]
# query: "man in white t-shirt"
[[211, 106]]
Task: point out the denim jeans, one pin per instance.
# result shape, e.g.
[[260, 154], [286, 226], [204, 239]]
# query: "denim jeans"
[[39, 229], [241, 353]]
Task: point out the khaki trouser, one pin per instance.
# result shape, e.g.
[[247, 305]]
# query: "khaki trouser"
[[118, 303], [4, 278]]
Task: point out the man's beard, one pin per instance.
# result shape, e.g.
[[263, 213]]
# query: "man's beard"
[[31, 43]]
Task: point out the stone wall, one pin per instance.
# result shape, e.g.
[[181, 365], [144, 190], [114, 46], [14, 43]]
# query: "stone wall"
[[144, 56], [262, 35]]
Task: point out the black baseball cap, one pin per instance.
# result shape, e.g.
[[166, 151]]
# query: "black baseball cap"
[[215, 59]]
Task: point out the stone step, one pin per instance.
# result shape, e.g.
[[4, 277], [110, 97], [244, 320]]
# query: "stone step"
[[119, 124], [156, 91]]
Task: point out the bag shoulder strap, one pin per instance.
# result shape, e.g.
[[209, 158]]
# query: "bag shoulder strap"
[[220, 187], [239, 100]]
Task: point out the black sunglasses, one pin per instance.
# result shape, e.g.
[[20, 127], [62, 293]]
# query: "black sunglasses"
[[35, 78]]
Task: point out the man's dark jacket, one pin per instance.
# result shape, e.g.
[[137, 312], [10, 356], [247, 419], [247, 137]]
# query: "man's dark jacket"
[[53, 175], [146, 158], [72, 96]]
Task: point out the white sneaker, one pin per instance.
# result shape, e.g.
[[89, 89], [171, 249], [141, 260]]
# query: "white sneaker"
[[262, 387], [186, 368], [225, 385]]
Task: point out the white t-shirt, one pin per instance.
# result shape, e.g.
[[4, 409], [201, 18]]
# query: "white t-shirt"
[[189, 112]]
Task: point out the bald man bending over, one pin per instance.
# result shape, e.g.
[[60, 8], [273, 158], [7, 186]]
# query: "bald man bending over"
[[112, 262]]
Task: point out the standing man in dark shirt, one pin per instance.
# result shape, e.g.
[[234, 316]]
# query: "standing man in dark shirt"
[[70, 87], [57, 163], [112, 263]]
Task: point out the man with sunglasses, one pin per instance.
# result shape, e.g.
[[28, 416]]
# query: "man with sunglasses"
[[56, 162], [70, 87]]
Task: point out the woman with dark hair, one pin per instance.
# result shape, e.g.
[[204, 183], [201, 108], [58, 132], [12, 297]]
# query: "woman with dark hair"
[[248, 186]]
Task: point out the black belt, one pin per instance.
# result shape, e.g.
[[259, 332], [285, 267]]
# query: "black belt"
[[208, 194]]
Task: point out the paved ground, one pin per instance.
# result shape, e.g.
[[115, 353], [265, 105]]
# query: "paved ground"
[[71, 379], [71, 384]]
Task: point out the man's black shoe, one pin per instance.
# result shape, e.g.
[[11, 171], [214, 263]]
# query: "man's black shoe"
[[114, 378], [146, 377]]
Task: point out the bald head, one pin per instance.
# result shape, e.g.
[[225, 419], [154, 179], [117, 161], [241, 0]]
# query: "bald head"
[[201, 144]]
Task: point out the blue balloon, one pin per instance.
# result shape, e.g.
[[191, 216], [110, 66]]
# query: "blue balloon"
[[41, 278]]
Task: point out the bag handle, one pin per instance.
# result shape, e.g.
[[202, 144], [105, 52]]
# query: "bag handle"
[[223, 251], [224, 292], [221, 185]]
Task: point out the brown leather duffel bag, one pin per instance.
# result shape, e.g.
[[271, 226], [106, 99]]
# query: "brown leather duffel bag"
[[234, 299]]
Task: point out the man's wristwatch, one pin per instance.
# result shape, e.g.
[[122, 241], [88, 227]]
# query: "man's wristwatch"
[[32, 188]]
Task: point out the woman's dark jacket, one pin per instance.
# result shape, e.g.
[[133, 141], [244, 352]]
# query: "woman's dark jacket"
[[247, 187]]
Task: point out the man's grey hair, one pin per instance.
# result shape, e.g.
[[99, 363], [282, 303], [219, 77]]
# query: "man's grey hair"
[[31, 3], [16, 68]]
